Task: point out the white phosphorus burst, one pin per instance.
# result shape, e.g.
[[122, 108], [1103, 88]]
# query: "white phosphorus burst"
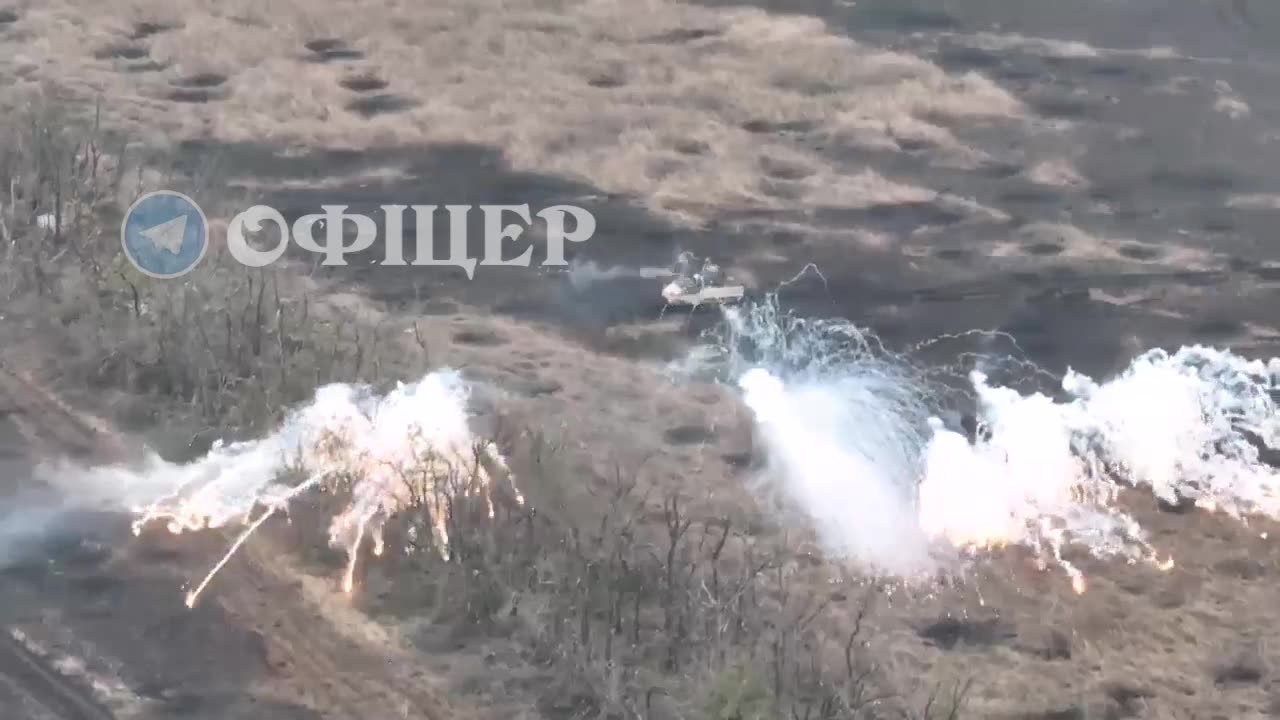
[[852, 436], [411, 448]]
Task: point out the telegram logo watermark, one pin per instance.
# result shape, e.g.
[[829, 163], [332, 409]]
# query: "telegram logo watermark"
[[164, 234]]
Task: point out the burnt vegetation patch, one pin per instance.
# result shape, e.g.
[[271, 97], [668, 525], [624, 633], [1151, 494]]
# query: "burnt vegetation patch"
[[201, 80], [1127, 699], [326, 50], [950, 632], [687, 435], [192, 95], [198, 88], [97, 585], [1242, 671], [681, 36], [690, 147], [606, 81], [538, 387], [1044, 249], [382, 104], [781, 170], [1219, 328], [362, 83], [1241, 567], [479, 337], [1139, 251], [145, 29], [780, 127], [145, 66], [1070, 712], [121, 52]]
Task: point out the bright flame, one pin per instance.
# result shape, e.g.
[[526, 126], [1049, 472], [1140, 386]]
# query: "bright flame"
[[853, 437], [412, 448]]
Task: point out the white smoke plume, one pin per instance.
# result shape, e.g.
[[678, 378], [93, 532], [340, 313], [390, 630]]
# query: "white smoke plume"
[[843, 454], [24, 524], [410, 448], [584, 274], [852, 435]]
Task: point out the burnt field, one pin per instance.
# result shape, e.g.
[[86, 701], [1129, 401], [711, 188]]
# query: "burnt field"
[[1079, 184]]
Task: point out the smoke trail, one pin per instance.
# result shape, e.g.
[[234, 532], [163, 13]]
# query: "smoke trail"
[[410, 448], [584, 274], [843, 454], [852, 435], [51, 514], [24, 525], [844, 424]]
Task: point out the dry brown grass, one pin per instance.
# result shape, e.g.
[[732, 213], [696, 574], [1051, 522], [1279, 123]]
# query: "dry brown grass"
[[642, 106], [626, 598], [690, 111]]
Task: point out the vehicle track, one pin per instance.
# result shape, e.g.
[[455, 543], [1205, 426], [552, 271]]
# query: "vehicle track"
[[46, 686], [44, 424], [48, 424], [317, 666]]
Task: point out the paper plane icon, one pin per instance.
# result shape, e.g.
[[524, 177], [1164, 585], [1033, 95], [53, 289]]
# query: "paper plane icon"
[[168, 234]]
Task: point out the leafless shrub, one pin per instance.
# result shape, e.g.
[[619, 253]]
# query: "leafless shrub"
[[640, 607], [648, 604]]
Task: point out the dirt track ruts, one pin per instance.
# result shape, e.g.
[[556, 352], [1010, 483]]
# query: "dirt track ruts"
[[45, 685], [324, 670], [46, 424]]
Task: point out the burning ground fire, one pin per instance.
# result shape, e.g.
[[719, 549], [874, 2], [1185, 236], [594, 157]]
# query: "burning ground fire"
[[1187, 425], [852, 434], [854, 438], [412, 448]]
